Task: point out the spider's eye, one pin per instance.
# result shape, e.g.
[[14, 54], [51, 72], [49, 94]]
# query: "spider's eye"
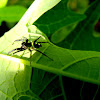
[[39, 45]]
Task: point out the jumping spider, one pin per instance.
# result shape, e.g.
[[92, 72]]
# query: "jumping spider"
[[26, 44]]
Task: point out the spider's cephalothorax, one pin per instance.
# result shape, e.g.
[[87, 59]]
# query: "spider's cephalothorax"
[[30, 46]]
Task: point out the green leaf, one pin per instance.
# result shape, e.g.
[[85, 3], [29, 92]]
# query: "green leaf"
[[63, 33], [42, 78], [3, 3], [11, 13], [82, 65], [57, 18], [16, 80], [82, 38]]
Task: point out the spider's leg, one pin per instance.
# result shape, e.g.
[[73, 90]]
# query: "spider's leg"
[[18, 40], [43, 42], [37, 39], [24, 38], [18, 50], [30, 55], [12, 50], [42, 53]]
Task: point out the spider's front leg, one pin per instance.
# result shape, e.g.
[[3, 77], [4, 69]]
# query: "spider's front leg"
[[39, 42], [24, 38], [37, 39]]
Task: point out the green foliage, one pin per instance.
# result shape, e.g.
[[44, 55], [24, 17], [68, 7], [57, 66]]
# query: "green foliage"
[[42, 79], [57, 18], [3, 3], [11, 13], [82, 38]]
